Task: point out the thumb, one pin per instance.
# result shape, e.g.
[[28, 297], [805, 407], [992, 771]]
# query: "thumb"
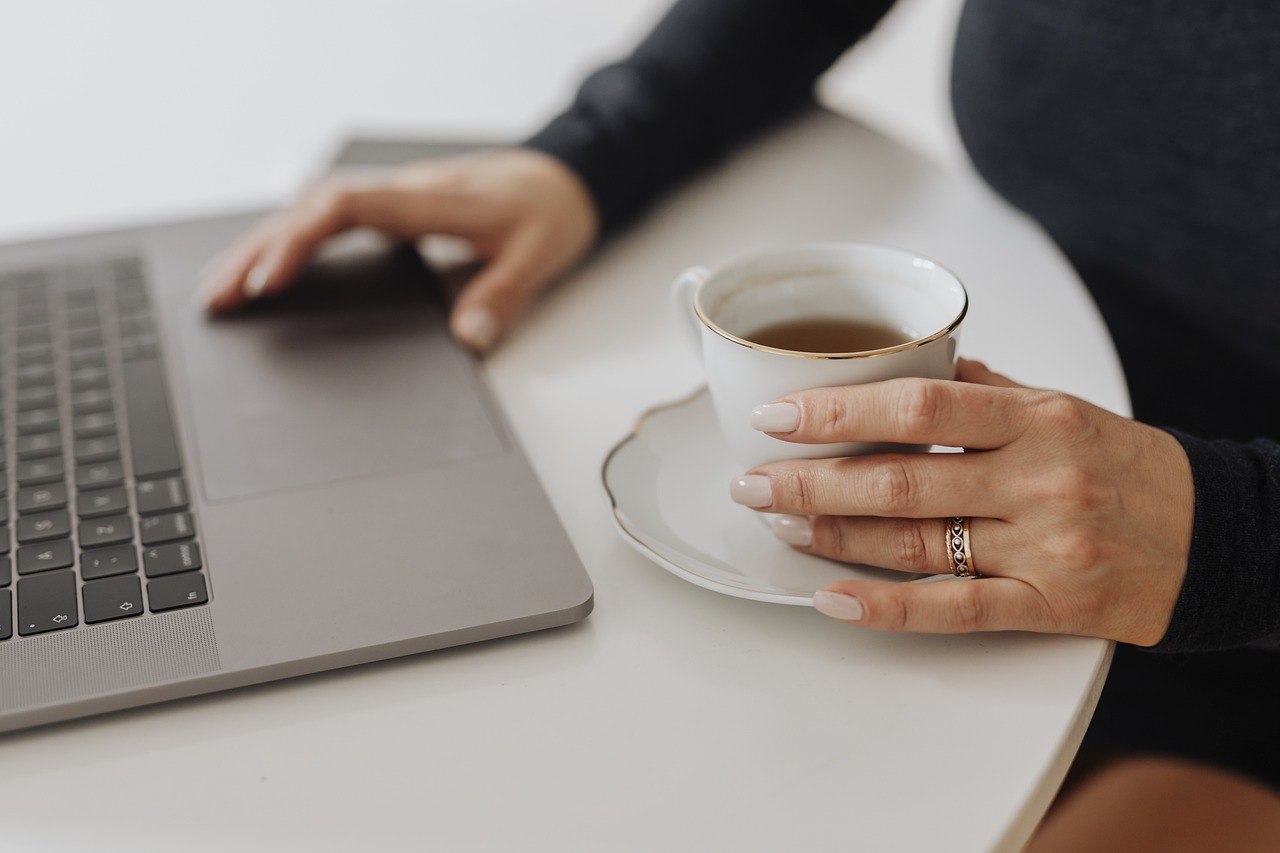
[[490, 303]]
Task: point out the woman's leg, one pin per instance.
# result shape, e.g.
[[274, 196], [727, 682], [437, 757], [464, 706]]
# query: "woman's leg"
[[1130, 805]]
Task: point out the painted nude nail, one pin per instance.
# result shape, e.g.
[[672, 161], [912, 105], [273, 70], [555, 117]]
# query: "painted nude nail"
[[837, 605], [255, 281], [477, 327], [794, 530], [776, 417], [752, 490]]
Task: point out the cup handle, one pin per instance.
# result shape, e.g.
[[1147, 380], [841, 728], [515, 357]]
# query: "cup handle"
[[682, 293]]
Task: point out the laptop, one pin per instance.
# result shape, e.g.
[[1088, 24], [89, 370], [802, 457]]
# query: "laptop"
[[190, 504]]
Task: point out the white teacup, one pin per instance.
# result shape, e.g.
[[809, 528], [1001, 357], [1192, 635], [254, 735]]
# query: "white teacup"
[[726, 310]]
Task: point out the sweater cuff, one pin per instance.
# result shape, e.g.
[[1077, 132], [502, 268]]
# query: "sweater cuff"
[[571, 140], [1231, 595]]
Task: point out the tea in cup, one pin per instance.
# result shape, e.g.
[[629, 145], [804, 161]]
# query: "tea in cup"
[[814, 316]]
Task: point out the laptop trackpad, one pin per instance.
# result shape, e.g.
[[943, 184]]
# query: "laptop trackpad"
[[350, 373]]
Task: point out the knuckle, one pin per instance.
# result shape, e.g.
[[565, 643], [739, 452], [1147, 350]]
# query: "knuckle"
[[1063, 412], [912, 552], [893, 613], [922, 406], [799, 495], [330, 203], [829, 537], [968, 611], [891, 489], [1076, 489], [1075, 547], [827, 417]]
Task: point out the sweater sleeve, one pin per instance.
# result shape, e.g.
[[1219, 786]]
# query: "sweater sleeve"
[[1231, 594], [710, 75]]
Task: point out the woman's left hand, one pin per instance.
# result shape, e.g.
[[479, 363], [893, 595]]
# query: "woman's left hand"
[[1080, 519]]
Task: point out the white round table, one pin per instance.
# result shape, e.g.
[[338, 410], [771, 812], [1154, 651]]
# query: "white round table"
[[674, 717]]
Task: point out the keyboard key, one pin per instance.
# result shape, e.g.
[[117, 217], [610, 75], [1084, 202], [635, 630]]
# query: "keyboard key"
[[88, 378], [36, 420], [46, 556], [36, 374], [111, 530], [132, 327], [32, 314], [84, 339], [41, 498], [29, 356], [38, 444], [171, 559], [155, 529], [4, 539], [29, 336], [38, 397], [102, 502], [48, 603], [151, 432], [46, 525], [105, 562], [173, 591], [6, 572], [82, 316], [139, 349], [4, 510], [101, 474], [161, 495], [33, 471], [6, 620], [113, 598], [92, 400], [81, 298], [87, 358], [97, 449], [93, 425]]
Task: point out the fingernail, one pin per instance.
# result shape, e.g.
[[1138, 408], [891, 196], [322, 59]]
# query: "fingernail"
[[837, 605], [753, 490], [794, 530], [776, 417], [256, 280], [477, 327]]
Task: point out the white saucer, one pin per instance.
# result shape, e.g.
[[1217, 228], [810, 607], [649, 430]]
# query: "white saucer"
[[669, 485]]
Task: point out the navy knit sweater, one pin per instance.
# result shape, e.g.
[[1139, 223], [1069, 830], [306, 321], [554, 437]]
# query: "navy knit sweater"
[[1144, 136]]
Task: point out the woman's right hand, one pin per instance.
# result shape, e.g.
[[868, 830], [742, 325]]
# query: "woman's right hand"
[[528, 217]]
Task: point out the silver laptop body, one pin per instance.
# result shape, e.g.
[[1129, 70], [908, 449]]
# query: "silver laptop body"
[[336, 485]]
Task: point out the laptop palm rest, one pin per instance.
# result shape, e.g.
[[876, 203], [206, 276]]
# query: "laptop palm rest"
[[349, 373]]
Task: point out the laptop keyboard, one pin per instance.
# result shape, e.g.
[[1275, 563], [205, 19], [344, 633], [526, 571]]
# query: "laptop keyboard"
[[95, 521]]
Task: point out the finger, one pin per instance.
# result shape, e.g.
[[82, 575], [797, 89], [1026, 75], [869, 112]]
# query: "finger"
[[492, 301], [221, 284], [938, 607], [886, 485], [907, 544], [291, 238], [969, 370], [907, 411], [323, 213]]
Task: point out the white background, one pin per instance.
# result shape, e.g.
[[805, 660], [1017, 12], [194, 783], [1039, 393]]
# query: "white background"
[[141, 59]]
